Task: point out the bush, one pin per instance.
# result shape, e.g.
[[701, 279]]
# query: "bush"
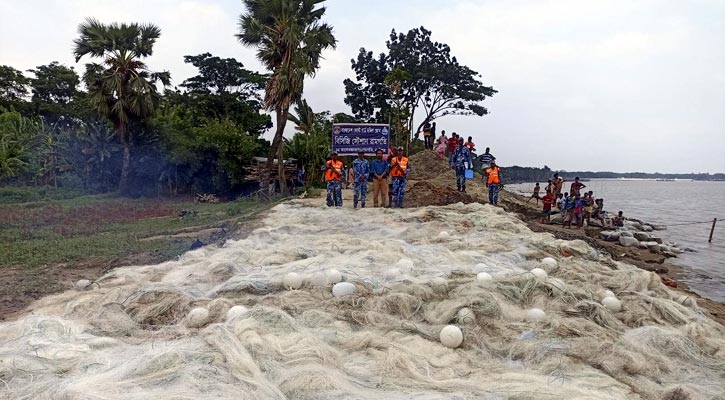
[[26, 194]]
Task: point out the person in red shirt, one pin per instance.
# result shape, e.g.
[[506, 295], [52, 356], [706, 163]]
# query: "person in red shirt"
[[470, 145], [548, 200], [452, 143]]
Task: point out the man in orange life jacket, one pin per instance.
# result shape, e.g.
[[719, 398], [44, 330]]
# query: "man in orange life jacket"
[[333, 178], [493, 182], [399, 170]]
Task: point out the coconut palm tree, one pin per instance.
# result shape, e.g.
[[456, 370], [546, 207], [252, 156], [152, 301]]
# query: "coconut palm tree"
[[121, 88], [289, 37]]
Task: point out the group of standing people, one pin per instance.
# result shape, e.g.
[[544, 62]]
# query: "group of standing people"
[[575, 206], [389, 177]]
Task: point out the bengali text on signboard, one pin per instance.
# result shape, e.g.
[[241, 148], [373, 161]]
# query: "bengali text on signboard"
[[350, 139]]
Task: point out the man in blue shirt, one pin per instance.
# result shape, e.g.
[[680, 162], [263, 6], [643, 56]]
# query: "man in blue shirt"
[[361, 169], [459, 160], [380, 170]]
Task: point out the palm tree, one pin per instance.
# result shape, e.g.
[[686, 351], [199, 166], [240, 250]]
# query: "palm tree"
[[305, 119], [289, 37], [121, 88]]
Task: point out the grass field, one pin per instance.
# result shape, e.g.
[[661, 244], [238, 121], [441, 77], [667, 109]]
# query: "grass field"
[[45, 245]]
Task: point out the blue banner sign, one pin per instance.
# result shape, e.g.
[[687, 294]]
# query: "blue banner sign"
[[350, 139]]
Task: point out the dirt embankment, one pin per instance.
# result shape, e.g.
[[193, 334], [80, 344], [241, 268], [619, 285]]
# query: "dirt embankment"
[[433, 182]]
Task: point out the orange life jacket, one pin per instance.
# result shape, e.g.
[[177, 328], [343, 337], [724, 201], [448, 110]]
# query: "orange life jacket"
[[493, 178], [333, 170], [396, 172]]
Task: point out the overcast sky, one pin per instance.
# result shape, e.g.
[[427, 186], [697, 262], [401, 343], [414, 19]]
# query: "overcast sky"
[[583, 85]]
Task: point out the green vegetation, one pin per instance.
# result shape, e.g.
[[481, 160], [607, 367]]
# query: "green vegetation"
[[106, 228], [416, 75], [289, 37]]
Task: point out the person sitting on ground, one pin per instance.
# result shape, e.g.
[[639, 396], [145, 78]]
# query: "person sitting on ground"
[[618, 221], [493, 182], [333, 178], [576, 187], [470, 145], [399, 170], [361, 171], [546, 212], [442, 145], [460, 160], [535, 195]]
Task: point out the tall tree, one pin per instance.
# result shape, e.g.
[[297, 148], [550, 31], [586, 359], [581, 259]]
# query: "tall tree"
[[224, 89], [13, 88], [54, 87], [438, 85], [290, 37], [121, 88]]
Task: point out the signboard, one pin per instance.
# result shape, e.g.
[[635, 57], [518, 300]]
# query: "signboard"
[[350, 139]]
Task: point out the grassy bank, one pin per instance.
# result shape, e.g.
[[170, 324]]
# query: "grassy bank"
[[46, 245]]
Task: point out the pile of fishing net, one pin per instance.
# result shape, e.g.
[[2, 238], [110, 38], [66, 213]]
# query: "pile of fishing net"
[[225, 323]]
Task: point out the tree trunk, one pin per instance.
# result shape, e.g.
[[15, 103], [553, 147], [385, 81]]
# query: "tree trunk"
[[123, 183], [274, 150]]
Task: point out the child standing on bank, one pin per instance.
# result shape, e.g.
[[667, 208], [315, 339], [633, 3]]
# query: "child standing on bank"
[[537, 190], [548, 200]]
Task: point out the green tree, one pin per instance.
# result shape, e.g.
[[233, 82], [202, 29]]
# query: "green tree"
[[16, 136], [224, 89], [289, 37], [305, 119], [54, 87], [122, 88], [438, 85], [13, 88]]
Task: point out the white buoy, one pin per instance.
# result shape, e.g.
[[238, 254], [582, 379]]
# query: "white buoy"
[[83, 284], [539, 273], [333, 276], [608, 293], [236, 312], [612, 303], [556, 284], [451, 336], [444, 235], [197, 317], [465, 316], [392, 273], [535, 314], [318, 279], [686, 301], [549, 262], [405, 265], [293, 280], [483, 278], [343, 289]]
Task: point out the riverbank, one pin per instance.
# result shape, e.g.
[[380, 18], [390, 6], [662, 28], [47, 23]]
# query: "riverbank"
[[432, 182], [47, 246]]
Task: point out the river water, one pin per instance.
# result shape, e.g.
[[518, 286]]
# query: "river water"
[[675, 204]]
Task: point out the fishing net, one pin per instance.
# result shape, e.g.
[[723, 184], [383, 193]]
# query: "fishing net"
[[162, 331]]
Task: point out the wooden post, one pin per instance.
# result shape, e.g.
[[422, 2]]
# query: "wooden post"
[[712, 230]]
